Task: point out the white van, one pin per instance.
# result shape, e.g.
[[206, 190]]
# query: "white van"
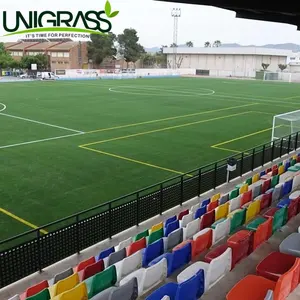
[[48, 76]]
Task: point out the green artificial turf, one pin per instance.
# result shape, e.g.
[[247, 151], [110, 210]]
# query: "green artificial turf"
[[148, 130]]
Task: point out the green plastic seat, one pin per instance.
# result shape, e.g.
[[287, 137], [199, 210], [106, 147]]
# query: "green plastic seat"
[[249, 181], [255, 223], [141, 235], [217, 222], [101, 281], [293, 169], [234, 193], [293, 162], [238, 186], [280, 218], [237, 220], [280, 164], [43, 295], [274, 180], [155, 236]]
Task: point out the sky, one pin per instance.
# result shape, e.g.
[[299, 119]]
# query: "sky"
[[154, 24]]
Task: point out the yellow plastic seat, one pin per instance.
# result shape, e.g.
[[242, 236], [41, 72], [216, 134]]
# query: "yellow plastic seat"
[[64, 285], [255, 178], [252, 210], [156, 227], [280, 170], [221, 211], [215, 197], [244, 188], [77, 293]]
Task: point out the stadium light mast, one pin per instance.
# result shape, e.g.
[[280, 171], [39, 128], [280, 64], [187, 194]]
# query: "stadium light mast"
[[176, 14]]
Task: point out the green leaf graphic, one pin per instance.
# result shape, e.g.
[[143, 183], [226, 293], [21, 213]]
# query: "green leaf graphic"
[[113, 14], [107, 8]]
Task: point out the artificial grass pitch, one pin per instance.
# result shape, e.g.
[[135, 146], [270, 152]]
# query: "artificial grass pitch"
[[69, 145]]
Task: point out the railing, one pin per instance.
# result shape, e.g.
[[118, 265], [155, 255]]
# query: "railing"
[[32, 251]]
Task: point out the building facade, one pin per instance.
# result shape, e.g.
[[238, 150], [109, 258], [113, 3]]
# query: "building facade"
[[219, 61]]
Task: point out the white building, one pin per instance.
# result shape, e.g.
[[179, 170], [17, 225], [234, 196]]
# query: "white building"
[[219, 61]]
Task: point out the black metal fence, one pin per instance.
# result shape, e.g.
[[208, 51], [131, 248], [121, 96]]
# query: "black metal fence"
[[34, 250]]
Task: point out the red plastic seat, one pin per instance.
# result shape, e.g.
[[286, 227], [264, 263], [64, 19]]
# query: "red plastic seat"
[[240, 245], [274, 170], [270, 212], [269, 170], [33, 290], [275, 265], [216, 252], [293, 208], [82, 265], [207, 219], [262, 233], [136, 246], [182, 214], [182, 244], [92, 270], [201, 243], [212, 205], [265, 201], [265, 185], [246, 197]]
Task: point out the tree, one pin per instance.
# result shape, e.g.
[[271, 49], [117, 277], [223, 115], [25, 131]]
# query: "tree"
[[265, 66], [101, 46], [6, 61], [148, 59], [129, 46], [41, 60], [189, 44], [207, 44], [282, 67], [217, 43], [173, 45], [161, 49]]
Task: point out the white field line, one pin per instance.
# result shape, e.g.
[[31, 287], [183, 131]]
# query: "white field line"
[[42, 123], [42, 140], [4, 107]]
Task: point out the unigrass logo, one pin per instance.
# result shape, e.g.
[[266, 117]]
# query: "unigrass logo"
[[94, 22]]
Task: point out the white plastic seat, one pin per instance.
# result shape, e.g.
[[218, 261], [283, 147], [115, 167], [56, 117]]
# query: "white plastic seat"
[[191, 229], [213, 271], [173, 239], [124, 244], [234, 203], [201, 232], [129, 264], [186, 219], [16, 297], [294, 195], [222, 230], [277, 192], [194, 208], [150, 277], [296, 182]]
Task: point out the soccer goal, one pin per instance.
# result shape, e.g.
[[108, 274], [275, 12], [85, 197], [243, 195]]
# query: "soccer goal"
[[286, 124]]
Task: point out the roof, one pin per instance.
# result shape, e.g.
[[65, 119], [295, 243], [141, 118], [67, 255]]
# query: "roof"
[[9, 44], [22, 46], [64, 46], [232, 51], [286, 12], [43, 46]]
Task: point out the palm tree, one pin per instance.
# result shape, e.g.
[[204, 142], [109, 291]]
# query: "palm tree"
[[207, 44], [189, 44], [217, 43], [173, 45]]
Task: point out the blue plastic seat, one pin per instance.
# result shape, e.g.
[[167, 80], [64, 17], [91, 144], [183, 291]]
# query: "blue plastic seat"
[[171, 227], [105, 253], [152, 251], [176, 259], [262, 173], [287, 187], [170, 220], [287, 165], [284, 202], [190, 289], [205, 202], [200, 212]]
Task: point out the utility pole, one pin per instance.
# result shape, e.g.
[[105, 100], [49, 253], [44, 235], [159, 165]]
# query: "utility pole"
[[176, 14]]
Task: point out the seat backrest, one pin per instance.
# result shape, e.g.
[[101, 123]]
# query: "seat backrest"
[[249, 181], [287, 187], [252, 211], [191, 229], [222, 211], [124, 244], [66, 284], [200, 212], [234, 193], [296, 182], [265, 201], [246, 197], [116, 257], [201, 241], [235, 203], [155, 235], [105, 253], [237, 220], [262, 233], [131, 263], [78, 292], [243, 188], [174, 238], [255, 178], [171, 227], [63, 275], [207, 219], [181, 257], [279, 217], [256, 191], [205, 202], [152, 251], [224, 198], [127, 291], [212, 205], [183, 213], [82, 265], [277, 192], [156, 227], [296, 275], [215, 197], [36, 288], [194, 208], [141, 235], [136, 246], [170, 220], [93, 269], [280, 170], [186, 219], [221, 231], [155, 274], [103, 281], [265, 185], [274, 180], [43, 295], [293, 208]]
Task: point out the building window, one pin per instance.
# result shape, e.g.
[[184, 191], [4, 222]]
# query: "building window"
[[53, 62], [66, 54], [292, 58], [66, 62], [60, 54], [20, 53], [54, 54]]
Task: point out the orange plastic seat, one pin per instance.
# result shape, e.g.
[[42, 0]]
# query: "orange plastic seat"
[[82, 265], [35, 289], [136, 246], [262, 233], [201, 242]]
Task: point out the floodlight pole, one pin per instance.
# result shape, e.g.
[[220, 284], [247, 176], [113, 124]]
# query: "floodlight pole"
[[176, 13]]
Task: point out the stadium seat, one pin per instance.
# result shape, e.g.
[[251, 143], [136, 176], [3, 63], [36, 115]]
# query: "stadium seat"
[[35, 289], [207, 219], [101, 281], [174, 238], [92, 270], [296, 182], [81, 266], [138, 245], [190, 289], [215, 197], [252, 211], [191, 229], [200, 212], [78, 292], [256, 189], [234, 203], [215, 252], [116, 257], [212, 205], [266, 200], [279, 217], [104, 254], [123, 244], [141, 235], [155, 236], [293, 209], [201, 241], [149, 277], [246, 197], [221, 231], [280, 170], [234, 193], [205, 202], [186, 219], [60, 276], [171, 227], [275, 265], [237, 219], [255, 178], [64, 285], [248, 181], [243, 189], [222, 211], [170, 220], [224, 199], [283, 203], [182, 214], [274, 181], [43, 295], [152, 251], [262, 233], [156, 227], [291, 245], [265, 185], [287, 186], [194, 208]]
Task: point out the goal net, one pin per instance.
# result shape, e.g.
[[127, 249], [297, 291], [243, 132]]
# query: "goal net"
[[282, 76], [285, 125]]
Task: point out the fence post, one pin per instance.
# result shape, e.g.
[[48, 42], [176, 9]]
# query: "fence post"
[[296, 141], [199, 182], [252, 163], [77, 234], [215, 176], [242, 164], [281, 142], [109, 220], [263, 155], [181, 190], [161, 199], [137, 209], [289, 143], [272, 152], [38, 236]]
